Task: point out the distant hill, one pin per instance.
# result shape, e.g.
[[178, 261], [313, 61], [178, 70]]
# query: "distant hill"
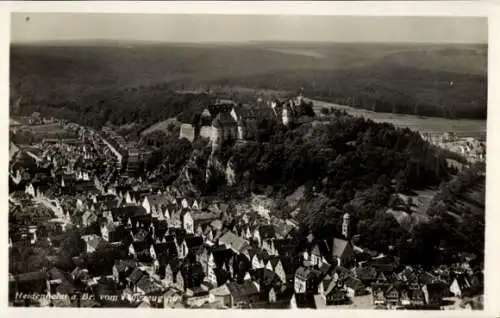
[[58, 72]]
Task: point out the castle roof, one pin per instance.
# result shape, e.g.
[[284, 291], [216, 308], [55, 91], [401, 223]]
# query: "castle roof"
[[223, 119]]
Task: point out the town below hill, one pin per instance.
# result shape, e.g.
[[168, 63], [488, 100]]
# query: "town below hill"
[[232, 213]]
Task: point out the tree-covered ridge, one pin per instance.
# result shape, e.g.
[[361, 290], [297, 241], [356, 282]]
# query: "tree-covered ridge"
[[429, 80], [353, 165], [338, 154], [389, 88], [142, 106], [459, 209]]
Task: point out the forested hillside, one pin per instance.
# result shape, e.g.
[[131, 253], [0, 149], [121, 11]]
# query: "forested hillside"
[[345, 164], [387, 88], [430, 80], [141, 106]]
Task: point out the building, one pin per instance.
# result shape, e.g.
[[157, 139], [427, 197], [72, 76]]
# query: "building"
[[345, 225], [224, 127]]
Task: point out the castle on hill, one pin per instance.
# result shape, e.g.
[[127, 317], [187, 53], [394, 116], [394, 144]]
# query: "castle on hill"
[[226, 120]]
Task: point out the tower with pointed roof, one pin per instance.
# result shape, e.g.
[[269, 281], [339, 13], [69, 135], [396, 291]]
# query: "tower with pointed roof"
[[345, 225]]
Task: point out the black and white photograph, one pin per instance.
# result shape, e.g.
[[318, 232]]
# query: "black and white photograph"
[[245, 161]]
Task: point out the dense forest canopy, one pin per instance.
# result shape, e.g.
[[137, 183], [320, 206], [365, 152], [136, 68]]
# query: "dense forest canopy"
[[430, 80], [391, 89], [141, 106], [345, 151]]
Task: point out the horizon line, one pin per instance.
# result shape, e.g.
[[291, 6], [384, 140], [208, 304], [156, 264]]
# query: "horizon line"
[[132, 41]]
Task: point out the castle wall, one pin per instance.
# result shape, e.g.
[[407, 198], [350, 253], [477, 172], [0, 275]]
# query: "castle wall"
[[187, 131], [207, 132]]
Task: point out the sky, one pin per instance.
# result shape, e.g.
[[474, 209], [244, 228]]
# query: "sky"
[[197, 28]]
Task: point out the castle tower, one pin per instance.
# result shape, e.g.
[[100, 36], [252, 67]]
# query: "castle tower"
[[345, 225], [300, 97], [240, 130], [285, 116]]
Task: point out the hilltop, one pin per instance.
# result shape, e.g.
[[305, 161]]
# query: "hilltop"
[[386, 178]]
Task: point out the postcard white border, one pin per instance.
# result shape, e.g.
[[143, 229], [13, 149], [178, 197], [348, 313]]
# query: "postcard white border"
[[490, 9]]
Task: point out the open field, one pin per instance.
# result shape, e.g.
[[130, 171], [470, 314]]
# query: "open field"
[[435, 125], [39, 132], [46, 128], [161, 126]]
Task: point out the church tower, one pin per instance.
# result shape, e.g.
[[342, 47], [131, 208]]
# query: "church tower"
[[345, 225]]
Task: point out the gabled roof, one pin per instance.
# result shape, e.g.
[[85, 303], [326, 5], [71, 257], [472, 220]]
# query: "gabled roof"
[[260, 253], [123, 265], [339, 246], [381, 277], [267, 278], [316, 250], [220, 106], [216, 224], [245, 289], [204, 217], [365, 273], [223, 119], [159, 200], [136, 275], [282, 228], [234, 242], [274, 261], [303, 272], [221, 290]]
